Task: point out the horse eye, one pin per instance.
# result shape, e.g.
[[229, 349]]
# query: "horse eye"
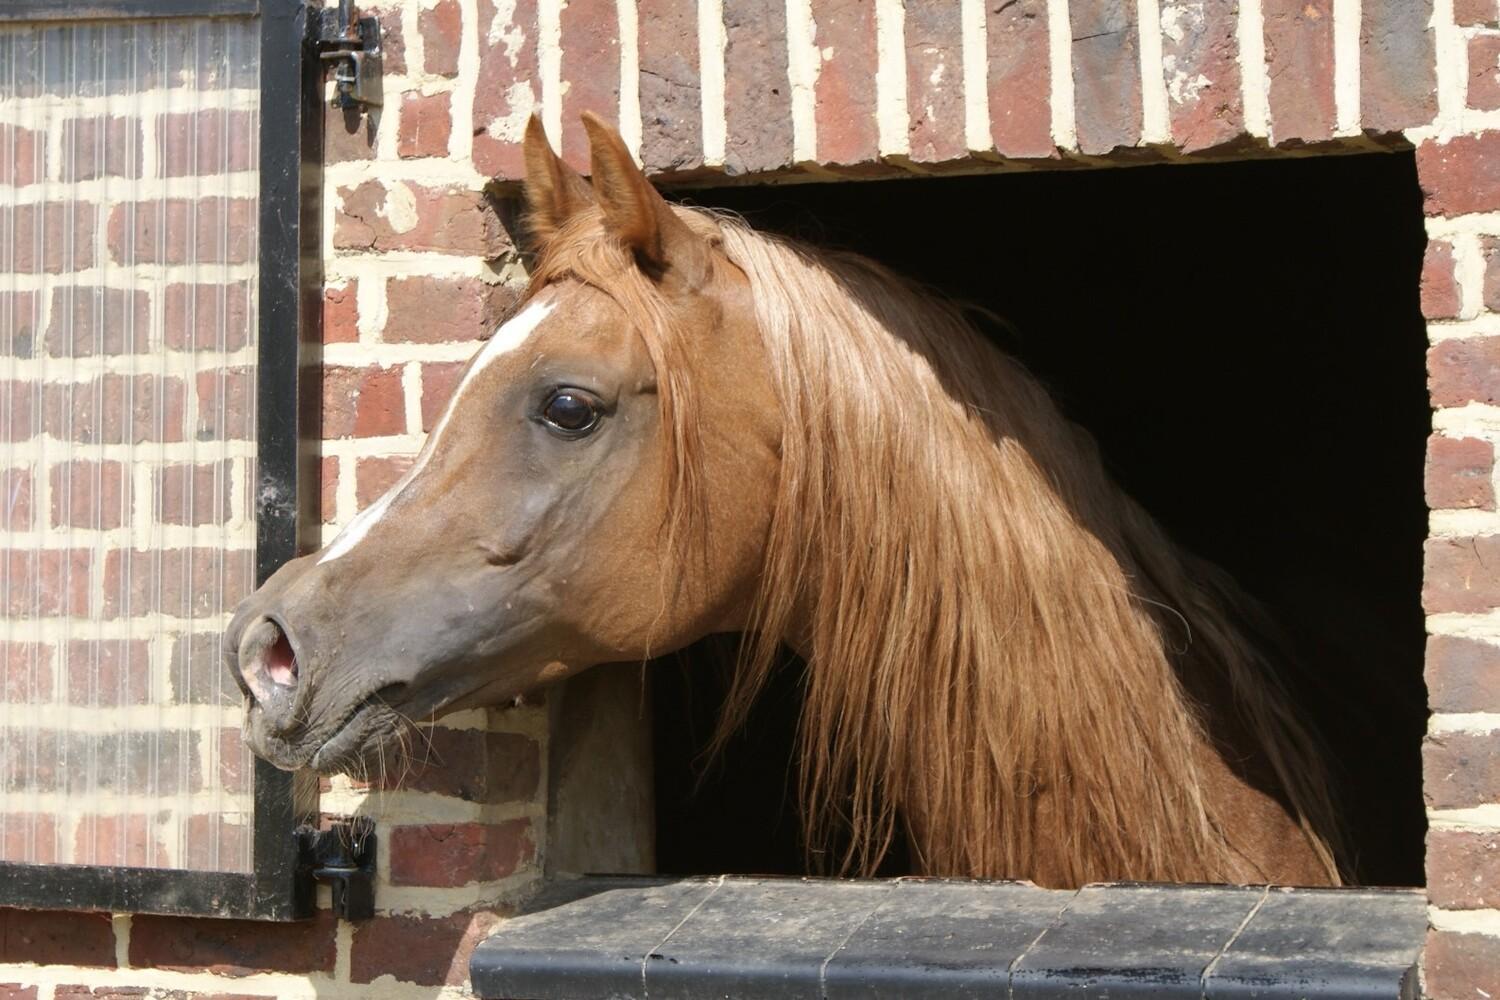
[[571, 412]]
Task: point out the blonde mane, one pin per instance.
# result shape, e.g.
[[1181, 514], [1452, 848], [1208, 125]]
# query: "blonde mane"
[[1004, 652]]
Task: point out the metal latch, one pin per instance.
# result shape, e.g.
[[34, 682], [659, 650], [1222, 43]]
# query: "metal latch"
[[352, 44], [343, 856]]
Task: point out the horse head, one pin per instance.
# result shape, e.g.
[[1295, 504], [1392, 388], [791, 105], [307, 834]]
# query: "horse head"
[[548, 524]]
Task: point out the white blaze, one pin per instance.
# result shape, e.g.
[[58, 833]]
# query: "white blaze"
[[506, 339]]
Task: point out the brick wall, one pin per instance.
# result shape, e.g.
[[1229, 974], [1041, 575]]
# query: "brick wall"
[[419, 260]]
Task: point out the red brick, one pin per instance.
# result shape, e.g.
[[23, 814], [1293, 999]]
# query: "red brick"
[[757, 90], [473, 765], [197, 673], [63, 230], [1461, 769], [235, 767], [1020, 78], [347, 135], [507, 90], [53, 938], [182, 231], [193, 493], [1475, 13], [392, 40], [1457, 966], [20, 312], [428, 951], [1461, 175], [233, 947], [455, 854], [22, 155], [118, 840], [934, 81], [211, 141], [844, 94], [186, 583], [1441, 296], [27, 673], [29, 837], [373, 476], [1397, 65], [328, 488], [426, 124], [15, 991], [17, 493], [439, 380], [1299, 62], [46, 582], [101, 147], [671, 95], [363, 402], [446, 220], [1462, 574], [207, 317], [1464, 370], [430, 310], [1106, 75], [441, 28], [1463, 869], [590, 32], [1484, 72], [1463, 675], [90, 320], [226, 404], [1200, 60], [116, 409], [108, 671], [215, 843], [1489, 247], [90, 494], [341, 313], [1460, 473], [37, 759]]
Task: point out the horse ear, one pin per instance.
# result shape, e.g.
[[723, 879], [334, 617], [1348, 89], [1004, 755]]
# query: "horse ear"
[[554, 191], [636, 213]]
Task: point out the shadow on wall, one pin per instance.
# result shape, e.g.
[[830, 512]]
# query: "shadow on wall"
[[1245, 341]]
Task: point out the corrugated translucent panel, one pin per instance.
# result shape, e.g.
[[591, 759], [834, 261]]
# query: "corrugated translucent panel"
[[128, 187]]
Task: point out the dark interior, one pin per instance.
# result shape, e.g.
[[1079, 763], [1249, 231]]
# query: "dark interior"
[[1245, 342]]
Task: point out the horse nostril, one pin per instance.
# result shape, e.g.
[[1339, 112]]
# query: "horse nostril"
[[268, 665], [280, 661]]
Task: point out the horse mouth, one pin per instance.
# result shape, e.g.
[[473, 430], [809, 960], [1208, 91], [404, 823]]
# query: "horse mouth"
[[349, 744]]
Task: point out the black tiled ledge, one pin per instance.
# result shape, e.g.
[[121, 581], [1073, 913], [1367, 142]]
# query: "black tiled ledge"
[[915, 938]]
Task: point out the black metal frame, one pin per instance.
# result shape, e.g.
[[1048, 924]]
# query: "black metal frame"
[[280, 887]]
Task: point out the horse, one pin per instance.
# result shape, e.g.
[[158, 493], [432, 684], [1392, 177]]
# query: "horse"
[[687, 427]]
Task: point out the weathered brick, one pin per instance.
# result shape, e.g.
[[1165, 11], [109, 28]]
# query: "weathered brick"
[[233, 947], [63, 231], [1200, 62], [189, 583], [236, 768], [215, 843], [473, 764], [195, 494], [1106, 75], [207, 317], [935, 81], [20, 312], [428, 951], [507, 91], [46, 760], [392, 39], [373, 476], [1484, 73], [844, 92], [22, 155], [16, 991], [29, 837], [1461, 175], [225, 404], [1463, 675], [430, 310], [455, 854], [101, 147], [1464, 370], [1489, 248], [426, 124], [590, 32], [363, 402], [53, 938], [118, 840], [211, 141], [348, 134], [1461, 769], [341, 313], [183, 231], [1299, 63], [1463, 869], [17, 493], [46, 582], [441, 27], [400, 216], [1020, 77], [671, 93], [1441, 296], [89, 320], [108, 671], [1462, 574], [1475, 13], [328, 488], [89, 494], [439, 380], [1458, 966], [1397, 65], [27, 673], [1460, 473], [757, 90], [115, 409], [196, 671]]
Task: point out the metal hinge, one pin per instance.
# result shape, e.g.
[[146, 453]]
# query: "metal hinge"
[[352, 44], [343, 855]]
